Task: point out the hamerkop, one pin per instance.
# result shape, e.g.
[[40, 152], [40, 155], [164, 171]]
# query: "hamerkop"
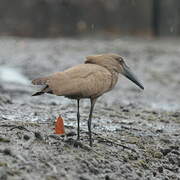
[[99, 74]]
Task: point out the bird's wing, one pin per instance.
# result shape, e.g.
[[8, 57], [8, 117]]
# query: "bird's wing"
[[85, 80]]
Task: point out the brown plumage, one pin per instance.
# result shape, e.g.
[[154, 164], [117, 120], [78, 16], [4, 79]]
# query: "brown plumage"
[[99, 74]]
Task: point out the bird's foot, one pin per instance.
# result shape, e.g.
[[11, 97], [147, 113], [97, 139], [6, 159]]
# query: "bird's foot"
[[90, 143], [78, 138]]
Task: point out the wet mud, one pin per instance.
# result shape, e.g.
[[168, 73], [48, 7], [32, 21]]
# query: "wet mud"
[[136, 134]]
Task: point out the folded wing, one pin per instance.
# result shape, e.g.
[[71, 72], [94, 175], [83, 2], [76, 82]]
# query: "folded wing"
[[82, 81]]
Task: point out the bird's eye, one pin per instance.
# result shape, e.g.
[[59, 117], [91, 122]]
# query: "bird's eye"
[[120, 60]]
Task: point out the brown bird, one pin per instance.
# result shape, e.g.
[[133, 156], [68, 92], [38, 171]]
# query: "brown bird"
[[99, 74]]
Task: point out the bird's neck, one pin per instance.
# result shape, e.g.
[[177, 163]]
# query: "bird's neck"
[[114, 78]]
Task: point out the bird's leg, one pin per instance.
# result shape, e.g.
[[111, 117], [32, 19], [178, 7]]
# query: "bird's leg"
[[89, 120], [78, 119]]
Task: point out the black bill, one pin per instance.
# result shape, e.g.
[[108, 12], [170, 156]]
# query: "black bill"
[[127, 73]]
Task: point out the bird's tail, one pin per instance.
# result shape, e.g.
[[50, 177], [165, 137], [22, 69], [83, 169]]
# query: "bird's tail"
[[38, 93], [40, 81], [44, 87]]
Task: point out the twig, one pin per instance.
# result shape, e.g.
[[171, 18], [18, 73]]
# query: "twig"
[[52, 166], [14, 127], [116, 143], [7, 125], [129, 128], [77, 143], [110, 140], [19, 127]]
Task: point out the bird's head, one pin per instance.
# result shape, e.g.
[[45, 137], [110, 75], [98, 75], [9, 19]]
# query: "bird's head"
[[114, 63]]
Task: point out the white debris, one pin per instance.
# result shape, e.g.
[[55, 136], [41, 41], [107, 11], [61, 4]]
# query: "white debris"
[[9, 74]]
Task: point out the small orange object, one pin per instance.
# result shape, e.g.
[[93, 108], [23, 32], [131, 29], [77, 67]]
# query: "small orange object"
[[59, 126]]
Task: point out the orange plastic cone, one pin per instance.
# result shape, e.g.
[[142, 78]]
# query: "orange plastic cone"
[[59, 126]]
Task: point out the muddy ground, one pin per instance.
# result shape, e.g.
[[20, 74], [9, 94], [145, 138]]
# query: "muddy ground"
[[136, 133]]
